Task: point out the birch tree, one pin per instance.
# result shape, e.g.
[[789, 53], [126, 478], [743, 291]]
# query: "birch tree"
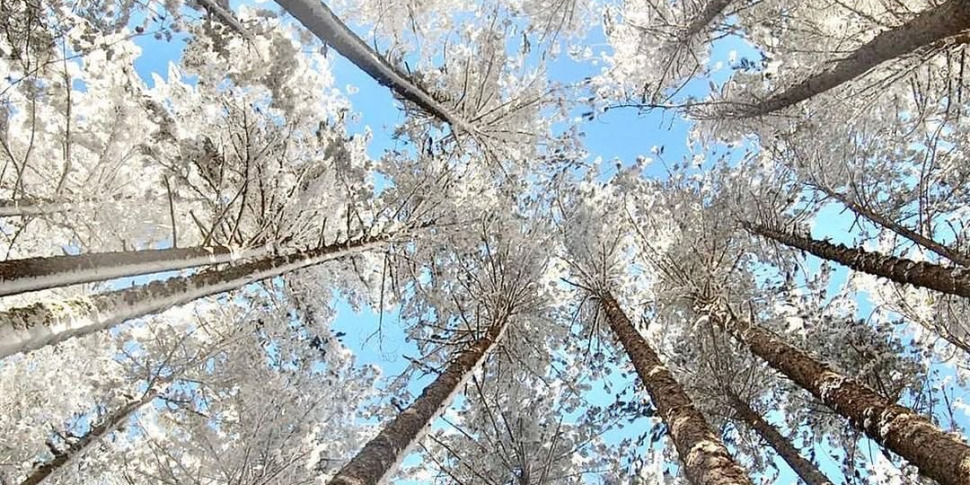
[[320, 20], [200, 424], [46, 323], [30, 274]]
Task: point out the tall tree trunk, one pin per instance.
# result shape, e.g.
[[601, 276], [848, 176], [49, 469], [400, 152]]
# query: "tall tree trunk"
[[705, 458], [31, 274], [381, 456], [94, 435], [929, 27], [319, 19], [802, 467], [954, 281], [938, 455], [45, 323], [893, 226]]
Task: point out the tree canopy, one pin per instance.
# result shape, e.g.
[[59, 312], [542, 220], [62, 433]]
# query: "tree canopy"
[[621, 241]]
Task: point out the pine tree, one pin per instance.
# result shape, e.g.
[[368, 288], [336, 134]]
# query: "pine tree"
[[900, 270], [706, 460], [898, 428], [97, 432], [930, 27], [805, 470]]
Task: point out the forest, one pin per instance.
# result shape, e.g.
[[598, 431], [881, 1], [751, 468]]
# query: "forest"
[[701, 242]]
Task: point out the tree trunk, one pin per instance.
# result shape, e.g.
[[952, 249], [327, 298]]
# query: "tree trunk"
[[954, 281], [319, 19], [18, 208], [226, 17], [381, 456], [938, 455], [36, 206], [706, 461], [31, 274], [31, 327], [808, 472], [711, 10], [929, 27], [893, 226], [92, 437]]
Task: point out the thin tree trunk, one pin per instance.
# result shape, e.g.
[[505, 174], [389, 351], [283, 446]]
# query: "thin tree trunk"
[[31, 327], [802, 467], [319, 19], [18, 208], [705, 459], [929, 27], [226, 17], [937, 454], [953, 281], [893, 226], [31, 274], [92, 437], [711, 10], [378, 459], [30, 206]]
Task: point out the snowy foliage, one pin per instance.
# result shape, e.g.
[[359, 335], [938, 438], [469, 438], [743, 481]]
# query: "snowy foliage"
[[817, 207]]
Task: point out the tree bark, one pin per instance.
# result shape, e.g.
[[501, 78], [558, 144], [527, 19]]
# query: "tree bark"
[[31, 327], [805, 470], [31, 274], [893, 226], [319, 19], [380, 457], [706, 461], [18, 208], [226, 18], [711, 10], [953, 281], [938, 455], [35, 206], [929, 27], [93, 436]]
